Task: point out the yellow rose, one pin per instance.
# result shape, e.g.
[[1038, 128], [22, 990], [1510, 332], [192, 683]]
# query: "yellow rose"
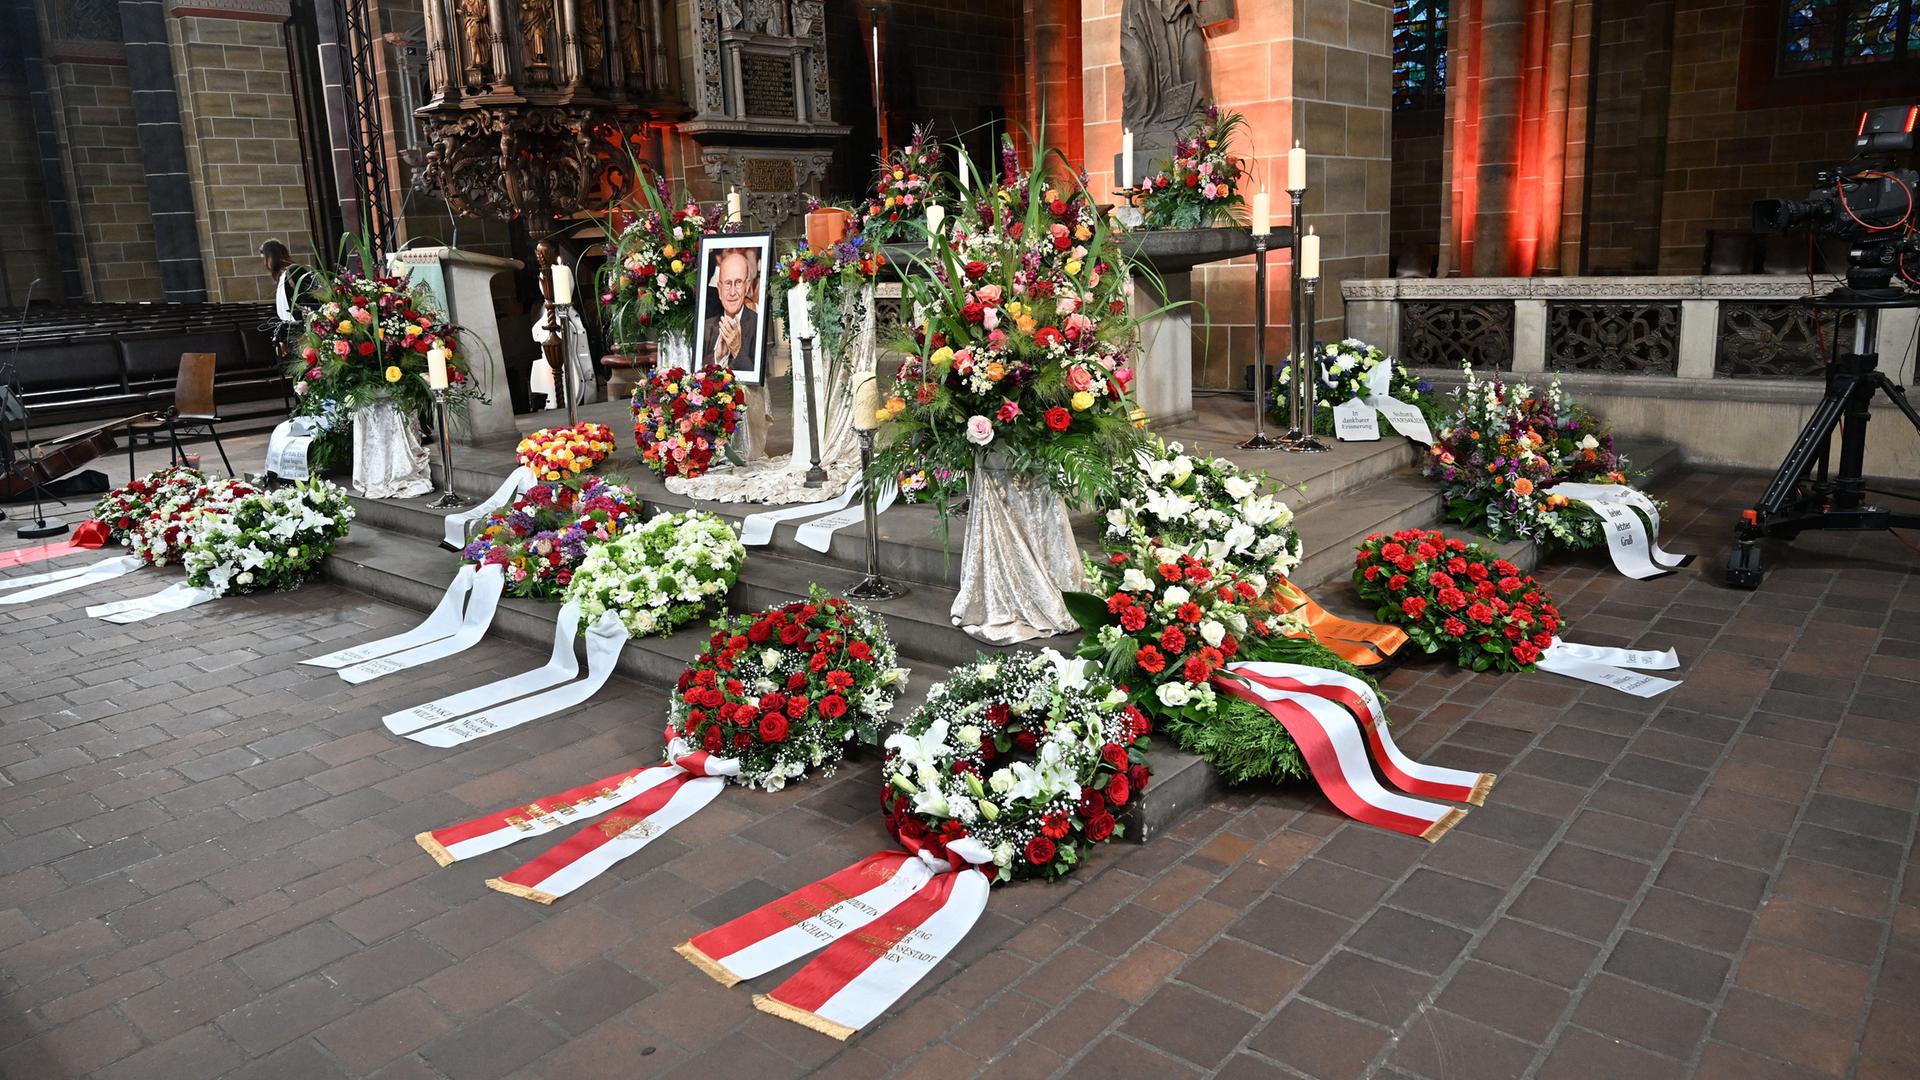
[[1073, 267], [889, 202], [1082, 401], [412, 330], [1082, 233], [393, 373], [346, 326], [1015, 308], [899, 175], [1213, 144], [942, 357], [677, 266]]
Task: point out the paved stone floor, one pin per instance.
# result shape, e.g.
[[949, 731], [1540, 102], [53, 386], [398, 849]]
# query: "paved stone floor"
[[207, 869]]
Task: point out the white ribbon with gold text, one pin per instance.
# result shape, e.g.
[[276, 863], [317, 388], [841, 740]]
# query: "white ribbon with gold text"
[[1635, 549]]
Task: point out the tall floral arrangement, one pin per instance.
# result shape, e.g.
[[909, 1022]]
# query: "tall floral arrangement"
[[1200, 187], [1024, 349], [904, 185], [367, 337], [1504, 448], [648, 286]]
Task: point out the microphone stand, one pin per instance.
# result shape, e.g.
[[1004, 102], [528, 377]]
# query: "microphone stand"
[[41, 527]]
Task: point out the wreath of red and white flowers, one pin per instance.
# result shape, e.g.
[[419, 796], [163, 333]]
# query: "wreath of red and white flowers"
[[126, 507], [171, 526], [1031, 754], [785, 690], [681, 420], [1447, 593], [565, 452]]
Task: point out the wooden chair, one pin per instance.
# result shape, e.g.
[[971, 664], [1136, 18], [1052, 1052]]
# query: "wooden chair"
[[193, 408]]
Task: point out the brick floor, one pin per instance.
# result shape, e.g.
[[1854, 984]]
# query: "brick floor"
[[207, 869]]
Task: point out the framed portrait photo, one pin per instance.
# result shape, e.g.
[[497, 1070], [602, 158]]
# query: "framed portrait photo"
[[731, 326]]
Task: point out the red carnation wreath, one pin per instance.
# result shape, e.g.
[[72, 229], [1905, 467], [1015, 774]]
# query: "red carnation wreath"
[[1447, 593]]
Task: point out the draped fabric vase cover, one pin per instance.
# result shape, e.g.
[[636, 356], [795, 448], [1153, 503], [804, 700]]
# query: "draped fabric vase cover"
[[389, 461], [783, 479], [1020, 556]]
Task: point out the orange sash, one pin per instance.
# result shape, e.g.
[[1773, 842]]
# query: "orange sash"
[[1360, 644]]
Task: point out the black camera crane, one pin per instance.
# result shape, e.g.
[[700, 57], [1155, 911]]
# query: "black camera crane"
[[1873, 208]]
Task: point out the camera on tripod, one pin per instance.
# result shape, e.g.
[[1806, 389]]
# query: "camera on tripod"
[[1868, 202]]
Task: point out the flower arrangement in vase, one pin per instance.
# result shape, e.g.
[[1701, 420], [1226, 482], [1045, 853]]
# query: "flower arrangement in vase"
[[1200, 187], [648, 286], [905, 184]]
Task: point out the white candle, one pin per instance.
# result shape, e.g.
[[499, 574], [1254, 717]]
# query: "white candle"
[[562, 285], [799, 316], [1297, 167], [437, 367], [733, 205], [965, 182], [936, 217], [1310, 256], [1126, 158], [1261, 221], [866, 403]]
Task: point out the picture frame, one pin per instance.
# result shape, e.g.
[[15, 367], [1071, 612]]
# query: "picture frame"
[[735, 269]]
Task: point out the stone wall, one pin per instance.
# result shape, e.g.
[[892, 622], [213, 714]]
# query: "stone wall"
[[1633, 67], [1418, 165], [26, 239], [237, 113], [107, 177]]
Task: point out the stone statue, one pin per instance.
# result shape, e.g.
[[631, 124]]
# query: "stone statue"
[[473, 31], [593, 38], [633, 43], [807, 14], [1163, 62], [536, 26]]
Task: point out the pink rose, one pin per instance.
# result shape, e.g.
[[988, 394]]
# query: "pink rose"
[[341, 348], [1009, 412], [988, 294], [979, 430], [1078, 379]]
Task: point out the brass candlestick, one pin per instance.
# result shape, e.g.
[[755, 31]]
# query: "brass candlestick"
[[816, 475], [448, 498], [1260, 439], [873, 586]]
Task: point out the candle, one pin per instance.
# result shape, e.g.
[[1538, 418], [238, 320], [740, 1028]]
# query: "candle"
[[562, 285], [799, 317], [733, 205], [1126, 159], [437, 367], [1297, 167], [1261, 221], [866, 403], [964, 181], [1310, 255], [936, 217]]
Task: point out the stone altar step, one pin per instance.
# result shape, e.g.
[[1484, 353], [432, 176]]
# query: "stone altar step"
[[411, 570]]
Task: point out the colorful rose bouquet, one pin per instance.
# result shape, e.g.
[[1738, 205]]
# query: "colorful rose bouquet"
[[1449, 594], [268, 539], [1031, 754], [170, 528], [785, 690], [1505, 447], [368, 337], [660, 574], [565, 452], [547, 533], [126, 508], [681, 420], [1200, 187], [647, 286], [904, 185], [1206, 506], [1025, 348], [1346, 371], [834, 277]]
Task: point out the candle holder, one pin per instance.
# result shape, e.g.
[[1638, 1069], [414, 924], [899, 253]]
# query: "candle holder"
[[450, 497], [1260, 439], [816, 475], [873, 586], [1297, 429], [554, 347], [1308, 443], [1130, 214]]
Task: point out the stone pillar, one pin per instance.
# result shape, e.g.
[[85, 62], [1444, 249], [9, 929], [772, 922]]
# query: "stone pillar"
[[156, 114], [1055, 102]]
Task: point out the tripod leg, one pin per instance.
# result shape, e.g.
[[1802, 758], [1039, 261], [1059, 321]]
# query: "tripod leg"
[[1899, 396], [1812, 437]]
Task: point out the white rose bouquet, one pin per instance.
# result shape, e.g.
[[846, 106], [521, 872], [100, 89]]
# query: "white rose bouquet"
[[267, 539]]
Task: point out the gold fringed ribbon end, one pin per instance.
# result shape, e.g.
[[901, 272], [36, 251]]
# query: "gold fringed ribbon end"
[[521, 891], [802, 1017], [1481, 787], [1445, 825], [434, 848], [706, 963]]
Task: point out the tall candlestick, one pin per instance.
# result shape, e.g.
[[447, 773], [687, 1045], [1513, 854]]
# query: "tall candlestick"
[[437, 368], [936, 217], [965, 181], [1310, 256], [1297, 167], [1260, 439], [733, 205], [1261, 223], [1126, 158]]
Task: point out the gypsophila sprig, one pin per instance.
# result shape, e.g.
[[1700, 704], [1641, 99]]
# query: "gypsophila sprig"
[[660, 575], [1032, 754], [268, 539], [786, 690]]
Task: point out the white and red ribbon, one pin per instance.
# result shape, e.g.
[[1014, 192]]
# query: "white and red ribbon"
[[881, 924], [1340, 727], [641, 804]]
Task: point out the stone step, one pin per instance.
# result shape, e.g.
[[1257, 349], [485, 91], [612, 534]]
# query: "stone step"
[[412, 572]]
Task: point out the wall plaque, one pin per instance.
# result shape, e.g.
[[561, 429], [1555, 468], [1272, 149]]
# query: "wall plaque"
[[766, 86], [770, 174]]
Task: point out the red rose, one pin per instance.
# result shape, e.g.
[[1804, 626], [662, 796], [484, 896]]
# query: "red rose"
[[1040, 851], [1150, 660], [1119, 790], [773, 728], [1525, 653], [976, 269], [366, 348], [1114, 756], [742, 740], [1026, 742], [797, 706], [1046, 337], [1058, 418], [1091, 803], [713, 740], [833, 706], [1414, 606], [1099, 828], [998, 714], [1137, 777], [1477, 571], [860, 650]]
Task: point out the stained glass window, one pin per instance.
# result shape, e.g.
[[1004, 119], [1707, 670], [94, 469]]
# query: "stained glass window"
[[1419, 53], [1826, 35]]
